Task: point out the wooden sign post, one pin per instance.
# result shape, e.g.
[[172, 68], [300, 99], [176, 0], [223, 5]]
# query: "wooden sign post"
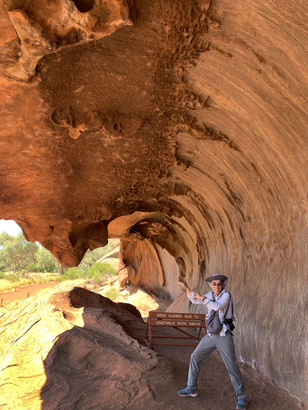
[[176, 321]]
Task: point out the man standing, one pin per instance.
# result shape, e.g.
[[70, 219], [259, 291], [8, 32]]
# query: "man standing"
[[219, 300]]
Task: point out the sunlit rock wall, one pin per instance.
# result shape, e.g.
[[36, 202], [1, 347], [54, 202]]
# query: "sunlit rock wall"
[[180, 127]]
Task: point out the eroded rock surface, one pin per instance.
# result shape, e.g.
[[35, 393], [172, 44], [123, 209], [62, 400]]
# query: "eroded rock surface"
[[44, 27], [72, 345], [179, 126]]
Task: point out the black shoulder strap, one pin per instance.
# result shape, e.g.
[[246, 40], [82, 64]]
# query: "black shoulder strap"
[[214, 311], [229, 303]]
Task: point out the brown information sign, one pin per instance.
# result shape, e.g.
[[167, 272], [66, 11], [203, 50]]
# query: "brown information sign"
[[176, 321], [168, 315]]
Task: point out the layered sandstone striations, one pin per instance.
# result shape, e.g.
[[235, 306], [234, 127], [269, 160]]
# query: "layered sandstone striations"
[[74, 349], [180, 127]]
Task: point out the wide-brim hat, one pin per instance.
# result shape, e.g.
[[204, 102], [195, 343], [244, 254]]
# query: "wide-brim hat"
[[216, 276]]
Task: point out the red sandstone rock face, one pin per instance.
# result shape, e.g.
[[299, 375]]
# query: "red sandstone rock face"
[[74, 346], [182, 123], [44, 27]]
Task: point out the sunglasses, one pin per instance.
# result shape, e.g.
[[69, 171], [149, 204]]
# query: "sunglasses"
[[216, 284]]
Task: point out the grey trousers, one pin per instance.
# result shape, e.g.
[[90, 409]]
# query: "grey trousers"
[[225, 347]]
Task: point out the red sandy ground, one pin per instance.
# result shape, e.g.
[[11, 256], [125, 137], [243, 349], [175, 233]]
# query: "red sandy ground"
[[22, 293]]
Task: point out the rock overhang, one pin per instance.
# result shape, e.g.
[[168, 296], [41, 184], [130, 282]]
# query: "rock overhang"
[[179, 126]]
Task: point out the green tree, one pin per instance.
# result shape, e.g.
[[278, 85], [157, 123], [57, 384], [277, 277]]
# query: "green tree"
[[30, 250], [25, 251], [19, 245], [46, 261], [91, 257], [31, 267], [4, 236], [16, 252], [9, 255]]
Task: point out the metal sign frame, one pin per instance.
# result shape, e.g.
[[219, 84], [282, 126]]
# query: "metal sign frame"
[[176, 321]]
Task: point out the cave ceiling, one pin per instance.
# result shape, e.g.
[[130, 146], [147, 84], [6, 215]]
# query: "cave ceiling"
[[189, 114], [93, 102]]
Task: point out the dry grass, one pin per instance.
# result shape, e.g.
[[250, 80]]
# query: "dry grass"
[[111, 292], [7, 286]]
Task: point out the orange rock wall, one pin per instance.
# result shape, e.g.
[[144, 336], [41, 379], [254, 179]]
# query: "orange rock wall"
[[175, 125]]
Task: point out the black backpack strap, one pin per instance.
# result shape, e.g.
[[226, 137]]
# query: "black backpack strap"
[[214, 311], [229, 322], [227, 306], [229, 303]]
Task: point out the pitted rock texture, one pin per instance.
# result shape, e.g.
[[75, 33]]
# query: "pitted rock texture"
[[43, 27], [179, 126]]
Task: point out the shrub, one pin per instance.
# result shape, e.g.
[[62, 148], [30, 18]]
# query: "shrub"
[[13, 277], [51, 268], [24, 282], [11, 281], [31, 267], [98, 270], [3, 275], [111, 293], [5, 285], [71, 274]]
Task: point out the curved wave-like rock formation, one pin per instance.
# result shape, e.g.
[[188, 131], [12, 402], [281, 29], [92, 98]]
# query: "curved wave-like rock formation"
[[180, 127]]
